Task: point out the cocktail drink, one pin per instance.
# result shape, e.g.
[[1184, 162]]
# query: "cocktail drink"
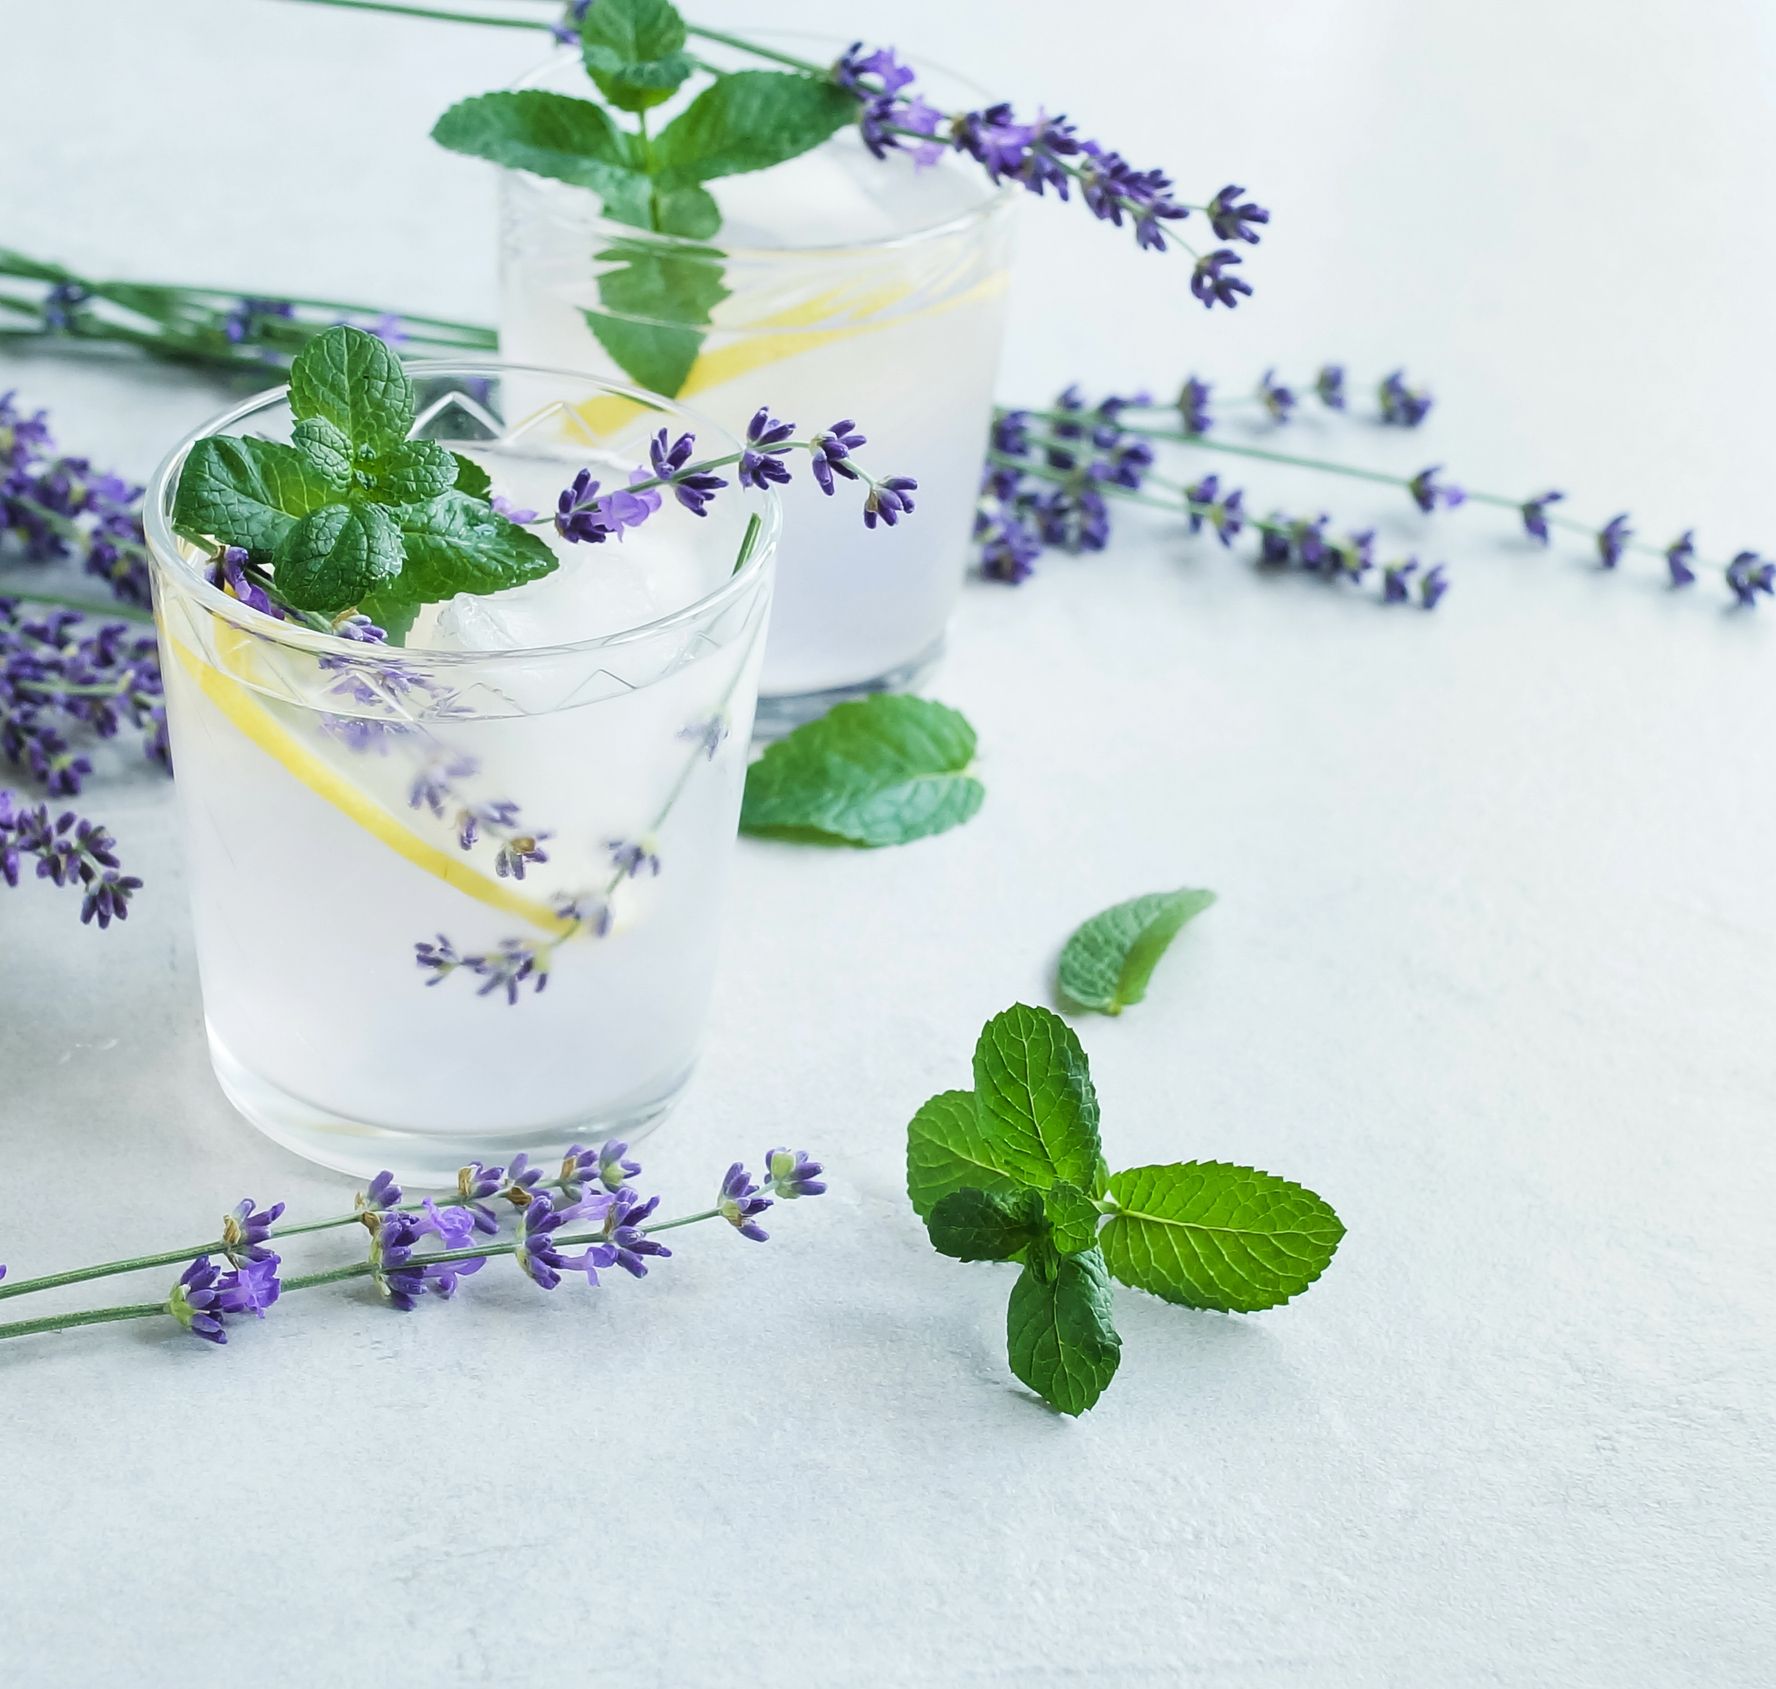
[[538, 788], [835, 280]]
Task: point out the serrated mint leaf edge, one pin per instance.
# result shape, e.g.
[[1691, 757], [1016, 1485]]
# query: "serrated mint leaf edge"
[[1109, 958]]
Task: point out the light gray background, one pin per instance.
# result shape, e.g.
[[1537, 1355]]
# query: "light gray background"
[[1493, 968]]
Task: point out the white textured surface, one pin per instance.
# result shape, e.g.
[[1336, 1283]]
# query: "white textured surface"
[[1493, 968]]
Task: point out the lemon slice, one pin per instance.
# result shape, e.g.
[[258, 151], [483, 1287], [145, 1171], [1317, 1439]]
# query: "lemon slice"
[[242, 706]]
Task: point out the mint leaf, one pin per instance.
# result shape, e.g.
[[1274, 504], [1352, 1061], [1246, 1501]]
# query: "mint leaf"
[[634, 51], [651, 301], [471, 478], [394, 615], [1059, 1334], [1032, 1085], [1072, 1218], [748, 121], [1107, 962], [336, 556], [327, 448], [352, 379], [456, 543], [883, 770], [977, 1225], [412, 472], [552, 135], [948, 1151], [1211, 1235], [247, 492]]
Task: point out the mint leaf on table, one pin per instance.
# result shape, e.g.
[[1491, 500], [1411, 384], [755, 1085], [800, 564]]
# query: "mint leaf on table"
[[554, 135], [1060, 1336], [337, 555], [977, 1225], [248, 492], [1012, 1171], [883, 770], [1210, 1235], [1033, 1086], [1108, 961], [355, 382], [749, 120], [634, 51]]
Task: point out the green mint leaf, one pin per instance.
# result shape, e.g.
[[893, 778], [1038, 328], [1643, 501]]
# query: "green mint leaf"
[[982, 1225], [547, 134], [414, 471], [948, 1150], [748, 121], [1059, 1334], [1210, 1235], [247, 492], [1033, 1087], [634, 51], [651, 302], [336, 556], [327, 448], [393, 614], [1107, 962], [456, 543], [471, 478], [884, 770], [351, 378], [687, 212], [1072, 1218]]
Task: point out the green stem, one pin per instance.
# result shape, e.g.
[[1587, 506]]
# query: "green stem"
[[96, 1316], [433, 12], [742, 45], [61, 601]]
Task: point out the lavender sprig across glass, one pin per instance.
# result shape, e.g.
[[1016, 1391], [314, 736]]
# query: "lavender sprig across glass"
[[471, 780], [1053, 475], [429, 1246]]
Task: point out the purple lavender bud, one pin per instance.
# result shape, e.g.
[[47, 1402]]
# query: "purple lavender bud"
[[1612, 540], [1193, 406], [708, 735], [1680, 558], [1212, 285], [767, 440], [792, 1174], [692, 488], [1432, 587], [503, 506], [1232, 221], [383, 1193], [455, 1226], [206, 1297], [1535, 515], [1396, 580], [1009, 551], [887, 501], [1428, 493], [630, 857], [521, 1176], [615, 1169], [538, 1256], [519, 852], [1277, 399], [1329, 386], [245, 1230], [739, 1203], [474, 1185], [566, 29], [830, 451], [1748, 575], [626, 1243], [1402, 406]]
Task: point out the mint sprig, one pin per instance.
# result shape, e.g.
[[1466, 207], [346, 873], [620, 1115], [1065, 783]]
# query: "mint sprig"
[[1012, 1171], [352, 513], [882, 770], [655, 302], [1110, 958]]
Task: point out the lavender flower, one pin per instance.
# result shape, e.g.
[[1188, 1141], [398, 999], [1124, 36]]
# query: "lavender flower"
[[1277, 399], [383, 1193], [1193, 406], [615, 1169], [832, 449], [767, 439], [68, 851], [1232, 221], [61, 305], [247, 320], [739, 1203], [521, 1178], [1428, 493], [1329, 386], [1612, 540], [1748, 575], [692, 487], [245, 1229], [229, 572], [1535, 515], [630, 857], [205, 1297], [1432, 587], [1224, 512], [1402, 405], [539, 1257], [474, 1185], [583, 516], [1211, 284], [625, 1242], [1396, 580], [792, 1174], [567, 29], [887, 501], [709, 736], [401, 1274], [1680, 558]]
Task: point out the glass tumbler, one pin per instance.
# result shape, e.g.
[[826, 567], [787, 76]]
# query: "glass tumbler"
[[393, 851]]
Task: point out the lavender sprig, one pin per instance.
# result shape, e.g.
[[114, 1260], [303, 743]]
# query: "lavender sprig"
[[67, 851], [404, 1262]]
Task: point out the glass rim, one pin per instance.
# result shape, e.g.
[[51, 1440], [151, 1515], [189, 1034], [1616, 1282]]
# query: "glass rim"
[[165, 546], [998, 198]]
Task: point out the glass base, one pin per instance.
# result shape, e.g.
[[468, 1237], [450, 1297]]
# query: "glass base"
[[423, 1159], [781, 712]]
